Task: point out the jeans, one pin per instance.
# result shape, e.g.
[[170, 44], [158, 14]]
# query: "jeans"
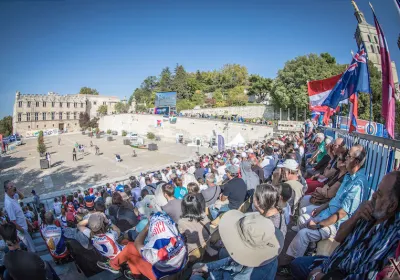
[[227, 269], [300, 267], [215, 212]]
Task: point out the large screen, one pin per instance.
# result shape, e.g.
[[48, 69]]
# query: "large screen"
[[165, 99]]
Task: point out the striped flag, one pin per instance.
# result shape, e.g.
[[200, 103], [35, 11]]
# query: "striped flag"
[[388, 89]]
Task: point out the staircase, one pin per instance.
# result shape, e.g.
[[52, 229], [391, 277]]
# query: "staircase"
[[67, 271]]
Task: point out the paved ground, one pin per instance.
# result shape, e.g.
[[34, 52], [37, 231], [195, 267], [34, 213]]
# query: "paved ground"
[[22, 163]]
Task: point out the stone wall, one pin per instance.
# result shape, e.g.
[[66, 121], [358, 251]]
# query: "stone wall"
[[190, 128], [266, 112]]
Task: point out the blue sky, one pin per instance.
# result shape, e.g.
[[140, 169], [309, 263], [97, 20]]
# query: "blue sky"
[[112, 46]]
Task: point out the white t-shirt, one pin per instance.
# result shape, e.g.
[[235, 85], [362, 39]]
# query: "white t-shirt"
[[57, 208], [107, 244], [15, 212]]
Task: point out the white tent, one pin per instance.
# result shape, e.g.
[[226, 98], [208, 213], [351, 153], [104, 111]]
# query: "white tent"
[[238, 141]]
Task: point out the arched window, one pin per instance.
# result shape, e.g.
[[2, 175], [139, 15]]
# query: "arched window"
[[379, 49], [369, 38], [372, 49], [376, 40]]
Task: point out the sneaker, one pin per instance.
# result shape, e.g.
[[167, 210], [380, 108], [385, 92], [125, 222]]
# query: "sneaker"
[[295, 228], [107, 266], [128, 275]]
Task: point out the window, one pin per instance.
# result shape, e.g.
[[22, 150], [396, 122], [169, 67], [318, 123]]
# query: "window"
[[44, 116], [75, 104], [29, 126], [94, 103], [74, 115], [44, 104], [28, 117], [37, 103], [19, 117], [20, 104], [372, 49], [67, 115], [29, 104], [44, 125], [379, 49], [60, 104], [104, 103], [52, 116], [75, 124], [37, 126], [53, 125], [52, 104], [36, 116], [60, 116], [81, 105], [376, 40], [369, 38], [67, 104]]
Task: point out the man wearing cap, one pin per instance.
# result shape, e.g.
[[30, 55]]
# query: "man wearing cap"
[[269, 163], [234, 190], [318, 223], [288, 172], [16, 215], [253, 244]]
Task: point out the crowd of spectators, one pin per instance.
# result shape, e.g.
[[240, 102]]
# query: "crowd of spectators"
[[225, 216]]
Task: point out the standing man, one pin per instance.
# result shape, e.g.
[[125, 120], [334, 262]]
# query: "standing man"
[[59, 140], [74, 155], [48, 159], [36, 201], [16, 215]]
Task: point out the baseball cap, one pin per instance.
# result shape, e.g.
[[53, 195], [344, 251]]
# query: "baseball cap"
[[233, 169], [119, 188], [250, 240], [244, 155], [33, 191], [320, 136], [250, 151], [96, 221], [290, 164]]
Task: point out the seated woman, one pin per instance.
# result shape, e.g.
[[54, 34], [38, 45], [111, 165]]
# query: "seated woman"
[[121, 212], [328, 191], [194, 225], [319, 179], [266, 201]]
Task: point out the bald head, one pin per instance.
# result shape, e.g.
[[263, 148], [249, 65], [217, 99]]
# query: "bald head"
[[355, 159], [339, 142]]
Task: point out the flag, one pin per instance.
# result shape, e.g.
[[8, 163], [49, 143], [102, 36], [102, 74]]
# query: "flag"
[[354, 79], [388, 89], [318, 91], [397, 4], [353, 112]]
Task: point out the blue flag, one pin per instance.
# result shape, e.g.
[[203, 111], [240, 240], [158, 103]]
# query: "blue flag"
[[354, 80]]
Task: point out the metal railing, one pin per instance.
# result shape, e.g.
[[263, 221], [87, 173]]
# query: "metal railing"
[[383, 155]]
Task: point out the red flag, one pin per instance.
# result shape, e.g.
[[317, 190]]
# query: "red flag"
[[317, 92], [353, 112], [388, 89]]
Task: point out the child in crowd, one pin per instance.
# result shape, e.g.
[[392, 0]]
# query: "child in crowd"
[[180, 191]]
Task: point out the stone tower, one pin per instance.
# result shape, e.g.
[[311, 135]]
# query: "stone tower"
[[366, 33]]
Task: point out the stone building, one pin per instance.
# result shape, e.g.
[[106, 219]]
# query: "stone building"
[[366, 34], [53, 112]]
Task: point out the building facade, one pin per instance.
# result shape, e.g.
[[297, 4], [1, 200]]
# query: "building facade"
[[54, 112], [366, 34]]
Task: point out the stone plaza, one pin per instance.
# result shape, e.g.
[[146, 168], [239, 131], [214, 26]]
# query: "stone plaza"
[[21, 164]]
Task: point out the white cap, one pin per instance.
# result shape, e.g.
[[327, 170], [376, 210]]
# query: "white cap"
[[250, 151], [290, 164], [244, 155], [219, 156], [320, 136], [235, 161]]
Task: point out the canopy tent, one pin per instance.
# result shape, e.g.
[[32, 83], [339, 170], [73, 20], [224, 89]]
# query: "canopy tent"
[[238, 141]]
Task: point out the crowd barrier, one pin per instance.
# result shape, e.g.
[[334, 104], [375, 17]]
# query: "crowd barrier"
[[382, 153]]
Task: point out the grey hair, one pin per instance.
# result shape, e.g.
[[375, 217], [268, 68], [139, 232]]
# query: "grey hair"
[[360, 154], [210, 177]]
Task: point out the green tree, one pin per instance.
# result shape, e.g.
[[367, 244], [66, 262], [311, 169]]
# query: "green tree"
[[198, 98], [233, 75], [236, 96], [6, 126], [260, 86], [166, 80], [290, 86], [180, 82], [88, 90], [102, 110], [219, 98], [121, 107], [84, 120], [184, 104]]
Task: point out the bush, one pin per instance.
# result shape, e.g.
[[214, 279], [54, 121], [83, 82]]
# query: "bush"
[[41, 148], [124, 133], [108, 131], [150, 135], [97, 130]]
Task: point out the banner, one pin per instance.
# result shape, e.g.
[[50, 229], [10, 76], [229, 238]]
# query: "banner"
[[47, 132], [221, 143], [363, 126], [165, 99], [290, 126], [161, 111]]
